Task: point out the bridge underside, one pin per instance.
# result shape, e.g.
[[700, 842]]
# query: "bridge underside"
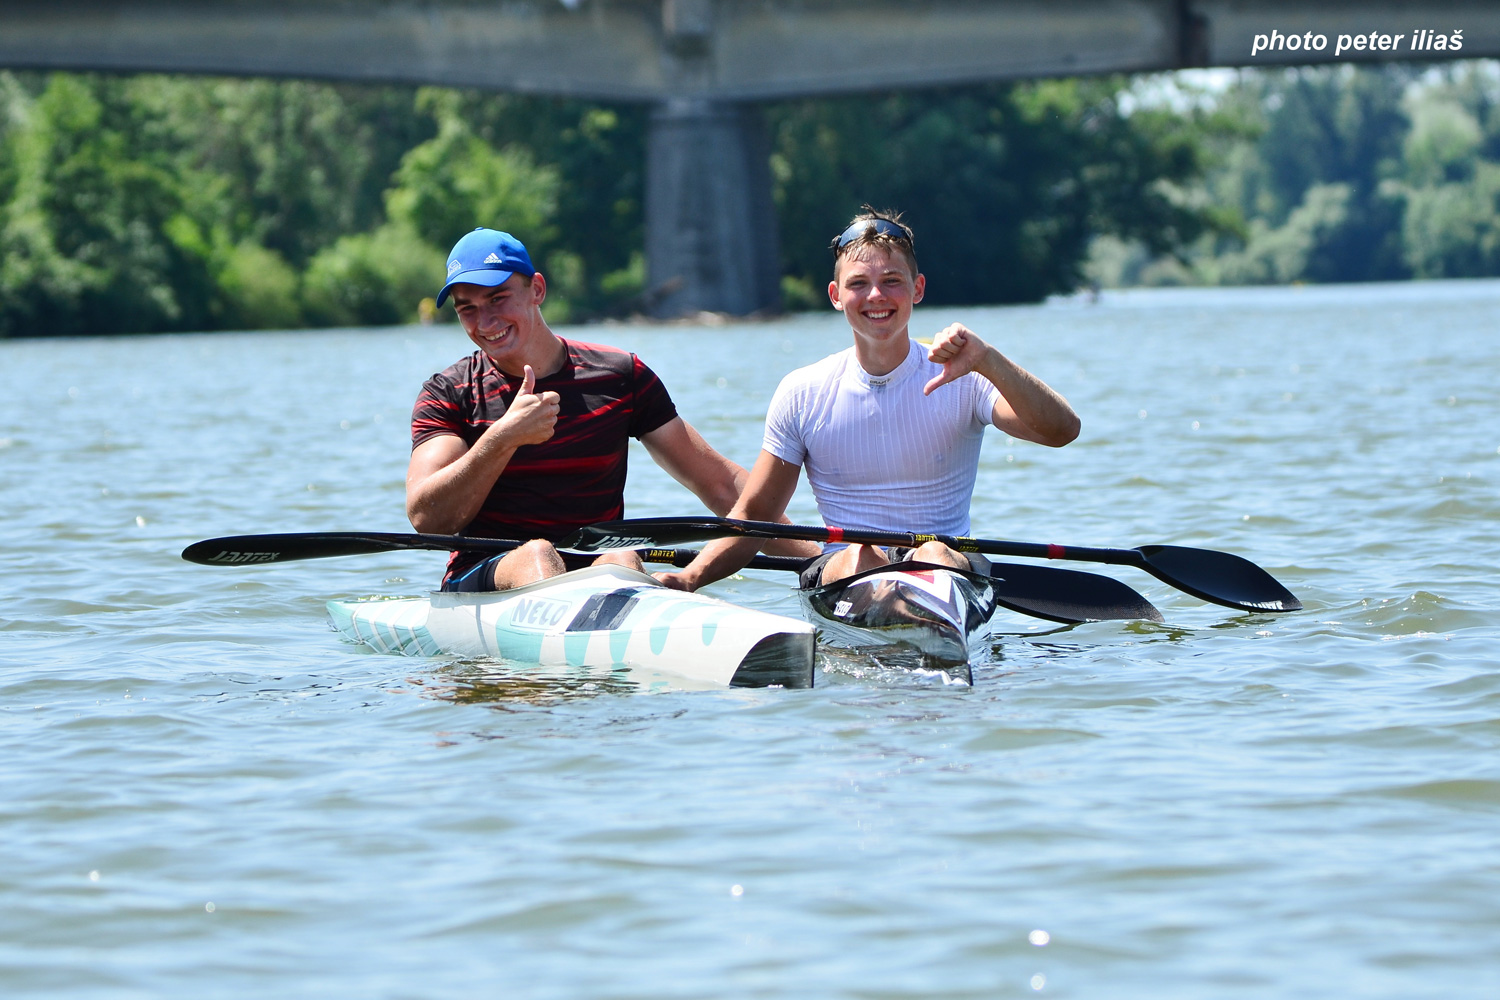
[[705, 62]]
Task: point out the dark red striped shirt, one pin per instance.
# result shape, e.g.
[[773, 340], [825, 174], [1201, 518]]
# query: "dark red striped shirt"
[[607, 396]]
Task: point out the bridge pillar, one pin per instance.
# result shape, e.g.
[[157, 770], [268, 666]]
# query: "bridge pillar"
[[711, 237]]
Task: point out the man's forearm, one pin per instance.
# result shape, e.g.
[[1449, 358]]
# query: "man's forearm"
[[1035, 403], [719, 559], [448, 499]]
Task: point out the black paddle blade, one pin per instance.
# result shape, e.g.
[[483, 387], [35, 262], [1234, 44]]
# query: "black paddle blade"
[[1067, 596], [243, 550], [246, 550], [647, 533], [1219, 577]]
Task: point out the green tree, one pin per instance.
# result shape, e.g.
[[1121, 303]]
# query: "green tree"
[[1003, 184], [89, 208], [444, 187], [279, 172], [1285, 253], [289, 164], [457, 181], [598, 153], [1450, 184], [371, 279], [1342, 174], [1339, 125], [1452, 230]]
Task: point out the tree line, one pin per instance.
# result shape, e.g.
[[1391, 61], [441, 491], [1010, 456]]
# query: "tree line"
[[157, 203], [1336, 174]]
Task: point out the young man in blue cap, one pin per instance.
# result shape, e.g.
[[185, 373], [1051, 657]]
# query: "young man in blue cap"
[[527, 437]]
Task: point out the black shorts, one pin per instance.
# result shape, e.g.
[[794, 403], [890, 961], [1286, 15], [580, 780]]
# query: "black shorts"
[[811, 575], [478, 578]]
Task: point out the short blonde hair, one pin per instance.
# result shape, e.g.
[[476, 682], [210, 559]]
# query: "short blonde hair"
[[881, 230]]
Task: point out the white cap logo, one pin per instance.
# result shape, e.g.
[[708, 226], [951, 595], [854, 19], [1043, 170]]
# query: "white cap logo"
[[493, 259], [453, 265]]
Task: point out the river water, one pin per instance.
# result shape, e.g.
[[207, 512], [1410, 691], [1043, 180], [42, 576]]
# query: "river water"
[[203, 792]]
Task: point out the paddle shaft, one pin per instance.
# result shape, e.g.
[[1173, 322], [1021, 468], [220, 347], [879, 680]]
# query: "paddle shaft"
[[249, 550], [1035, 550], [240, 550], [1219, 577]]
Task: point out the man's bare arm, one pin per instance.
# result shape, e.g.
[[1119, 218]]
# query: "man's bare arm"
[[679, 449], [1028, 408], [772, 483], [447, 481]]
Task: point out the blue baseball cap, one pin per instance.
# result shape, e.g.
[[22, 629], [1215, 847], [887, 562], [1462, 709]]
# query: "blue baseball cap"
[[485, 257]]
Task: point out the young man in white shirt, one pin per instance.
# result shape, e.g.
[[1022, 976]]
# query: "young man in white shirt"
[[888, 430]]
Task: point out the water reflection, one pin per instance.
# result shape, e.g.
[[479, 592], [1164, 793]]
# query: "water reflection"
[[889, 666], [499, 682], [1135, 633]]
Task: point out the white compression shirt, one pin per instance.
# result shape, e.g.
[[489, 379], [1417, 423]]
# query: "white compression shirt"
[[880, 455]]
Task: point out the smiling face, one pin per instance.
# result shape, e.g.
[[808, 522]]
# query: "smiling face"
[[875, 289], [504, 320]]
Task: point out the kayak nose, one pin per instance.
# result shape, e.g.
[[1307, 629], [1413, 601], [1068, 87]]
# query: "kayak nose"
[[782, 660]]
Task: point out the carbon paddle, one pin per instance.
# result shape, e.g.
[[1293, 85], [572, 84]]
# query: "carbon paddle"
[[1059, 595], [1218, 577], [241, 550]]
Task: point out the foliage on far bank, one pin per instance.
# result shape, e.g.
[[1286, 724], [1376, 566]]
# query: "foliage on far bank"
[[169, 203], [1345, 173], [1004, 184], [157, 203], [154, 203]]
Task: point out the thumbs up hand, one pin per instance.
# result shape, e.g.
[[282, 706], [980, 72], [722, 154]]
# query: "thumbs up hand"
[[532, 416]]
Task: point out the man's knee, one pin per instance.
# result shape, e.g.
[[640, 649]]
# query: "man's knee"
[[535, 560], [853, 559], [629, 558], [942, 555], [538, 551]]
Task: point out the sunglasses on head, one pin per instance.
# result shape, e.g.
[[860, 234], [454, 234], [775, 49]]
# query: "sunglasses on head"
[[869, 227]]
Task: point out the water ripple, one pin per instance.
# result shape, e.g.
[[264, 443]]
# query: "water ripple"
[[204, 791]]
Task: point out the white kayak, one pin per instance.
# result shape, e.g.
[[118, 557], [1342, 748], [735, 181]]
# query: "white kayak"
[[600, 617], [939, 612]]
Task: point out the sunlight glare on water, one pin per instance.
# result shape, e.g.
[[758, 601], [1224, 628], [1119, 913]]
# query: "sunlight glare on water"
[[205, 792]]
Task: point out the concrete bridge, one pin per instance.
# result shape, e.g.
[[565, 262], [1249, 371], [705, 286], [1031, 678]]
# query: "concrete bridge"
[[711, 241]]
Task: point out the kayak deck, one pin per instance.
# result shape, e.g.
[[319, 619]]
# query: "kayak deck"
[[937, 611], [602, 616]]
